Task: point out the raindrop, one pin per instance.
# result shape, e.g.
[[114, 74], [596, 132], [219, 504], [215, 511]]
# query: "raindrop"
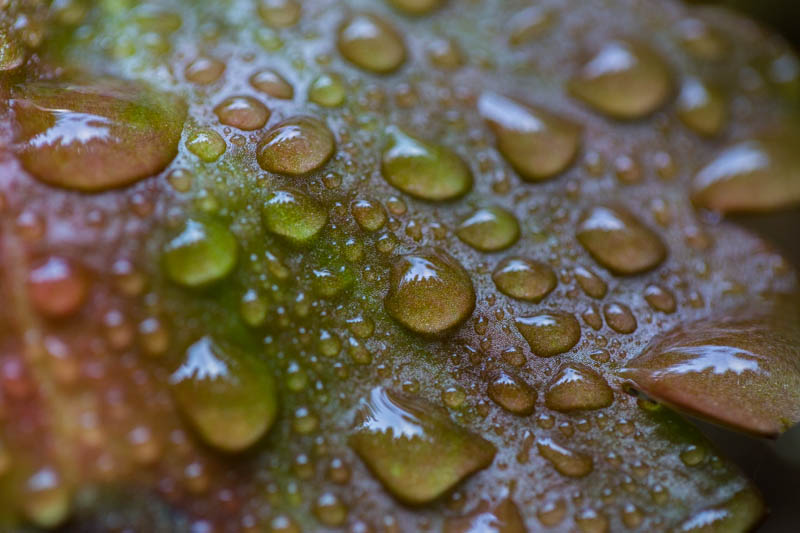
[[371, 43], [550, 334], [296, 146], [524, 279], [577, 387], [202, 253], [293, 215], [489, 229]]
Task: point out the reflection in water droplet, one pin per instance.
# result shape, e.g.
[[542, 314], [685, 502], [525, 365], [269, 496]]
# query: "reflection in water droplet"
[[57, 287], [327, 90], [565, 461], [537, 143], [549, 334], [429, 292], [425, 170], [204, 70], [524, 279], [592, 284], [293, 215], [701, 107], [202, 253], [489, 229], [371, 43], [279, 13], [414, 448], [243, 112], [619, 317], [296, 146], [512, 394], [577, 387], [206, 144], [502, 518], [369, 215], [660, 299], [273, 84], [619, 241], [624, 80]]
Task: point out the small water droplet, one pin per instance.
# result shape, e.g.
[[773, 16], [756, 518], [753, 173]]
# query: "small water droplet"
[[660, 299], [204, 70], [701, 40], [202, 253], [273, 84], [330, 510], [619, 317], [371, 43], [592, 284], [502, 518], [701, 107], [242, 112], [280, 13], [296, 146], [293, 215], [206, 144], [524, 279], [57, 286], [512, 394], [327, 90], [549, 334], [565, 461], [530, 23], [577, 387], [416, 7], [489, 229]]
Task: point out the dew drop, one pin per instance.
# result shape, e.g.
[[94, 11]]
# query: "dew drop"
[[660, 299], [204, 70], [619, 317], [371, 43], [272, 84], [537, 143], [422, 169], [549, 334], [416, 7], [489, 229], [591, 521], [206, 144], [565, 461], [330, 510], [57, 286], [296, 146], [701, 107], [502, 518], [327, 90], [242, 112], [279, 13], [512, 394], [293, 215], [592, 284], [624, 80], [619, 241], [369, 215], [577, 387], [524, 279], [203, 252], [46, 499], [530, 23], [429, 292], [701, 40]]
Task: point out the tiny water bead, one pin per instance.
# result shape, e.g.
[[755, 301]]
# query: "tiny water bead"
[[512, 394], [228, 395], [592, 284], [530, 23], [423, 169], [660, 299], [242, 112], [416, 7], [371, 43], [489, 229], [429, 292], [203, 252], [619, 317], [296, 146], [280, 13], [293, 215], [57, 286], [46, 498], [327, 90], [369, 214], [624, 80], [414, 448], [619, 241], [206, 144], [524, 279], [566, 462], [504, 517], [537, 143], [577, 387], [753, 175], [204, 70], [98, 136], [549, 334], [701, 107], [272, 84], [701, 40]]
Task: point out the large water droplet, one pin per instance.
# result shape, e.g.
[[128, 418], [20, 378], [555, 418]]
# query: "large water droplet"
[[229, 396], [619, 241], [294, 215], [537, 143], [625, 80], [565, 461], [429, 292], [489, 229], [755, 175], [414, 448], [550, 334], [423, 169], [577, 387], [296, 146], [701, 107], [512, 394], [95, 137], [741, 373], [202, 253], [371, 43], [502, 518], [524, 279]]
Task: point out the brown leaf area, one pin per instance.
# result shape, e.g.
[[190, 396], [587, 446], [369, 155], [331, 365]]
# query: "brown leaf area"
[[93, 329]]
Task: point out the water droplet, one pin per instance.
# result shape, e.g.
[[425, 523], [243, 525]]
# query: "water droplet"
[[243, 112], [701, 107], [204, 70], [57, 287], [632, 516], [445, 54], [502, 518], [512, 394], [229, 396], [95, 137], [693, 455], [369, 214], [529, 24], [330, 510], [592, 284], [701, 40], [619, 241], [296, 146], [279, 13], [660, 299], [550, 334], [206, 144], [293, 215], [537, 143], [46, 499], [565, 461], [619, 317], [754, 175], [624, 80], [273, 84], [327, 90], [253, 307], [591, 521], [429, 292], [416, 7], [414, 448], [489, 229], [577, 387], [742, 512], [524, 279], [425, 170], [153, 336], [552, 513], [202, 253], [371, 43]]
